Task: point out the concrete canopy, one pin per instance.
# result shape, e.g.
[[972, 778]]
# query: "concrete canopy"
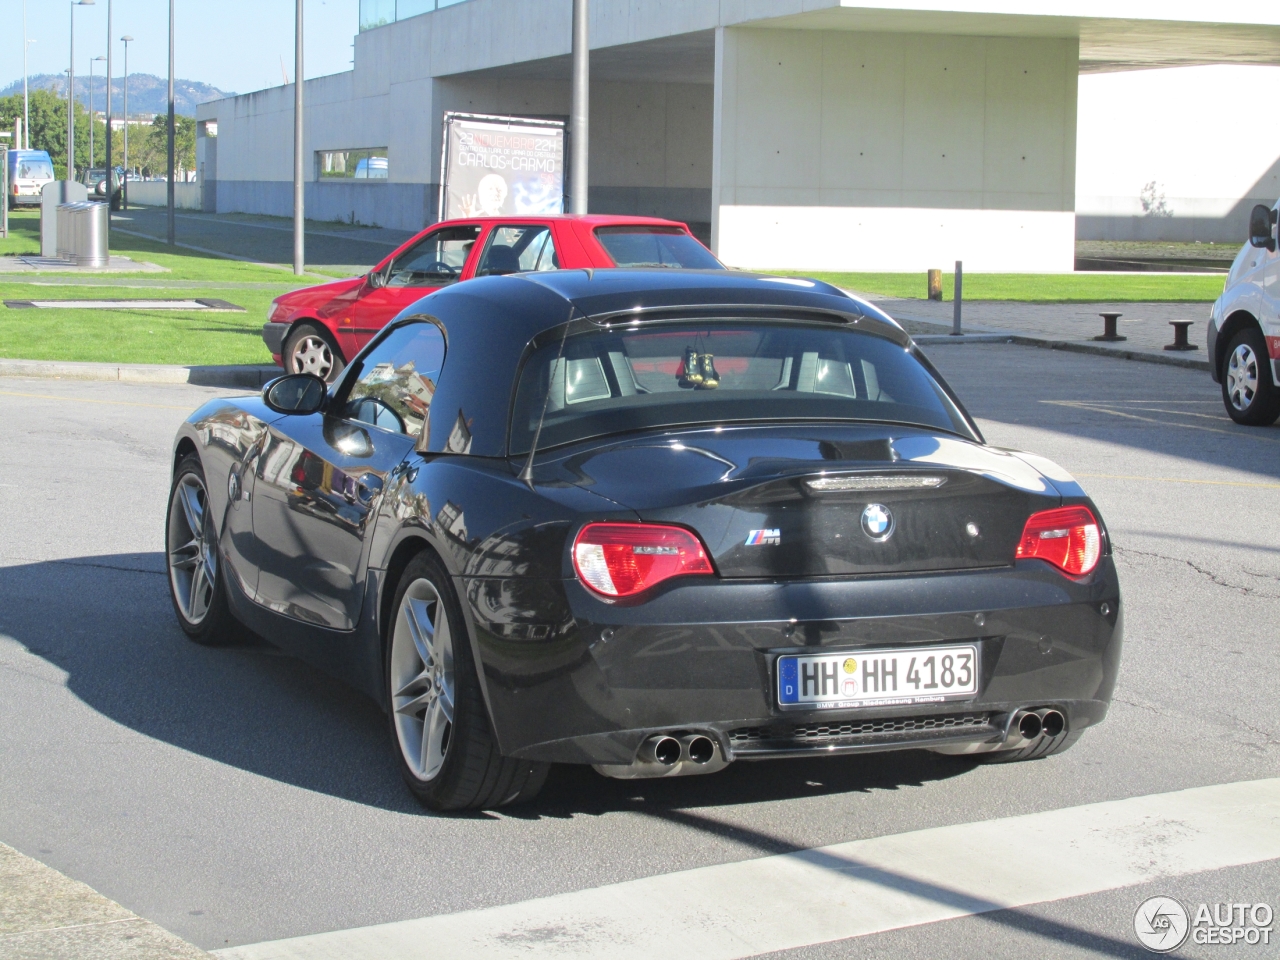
[[805, 134]]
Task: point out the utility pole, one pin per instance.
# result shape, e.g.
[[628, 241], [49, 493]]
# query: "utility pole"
[[579, 119], [299, 195], [172, 171], [91, 151]]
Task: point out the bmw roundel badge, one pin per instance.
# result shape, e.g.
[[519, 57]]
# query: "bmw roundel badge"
[[877, 522]]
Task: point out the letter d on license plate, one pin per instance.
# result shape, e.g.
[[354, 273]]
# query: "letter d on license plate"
[[865, 678]]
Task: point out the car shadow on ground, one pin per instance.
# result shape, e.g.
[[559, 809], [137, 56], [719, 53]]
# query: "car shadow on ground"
[[107, 622]]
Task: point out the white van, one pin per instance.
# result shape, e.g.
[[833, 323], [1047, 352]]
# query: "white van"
[[29, 171], [1244, 327]]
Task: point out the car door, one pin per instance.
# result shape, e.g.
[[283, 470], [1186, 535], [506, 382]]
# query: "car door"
[[437, 260], [320, 478], [518, 248]]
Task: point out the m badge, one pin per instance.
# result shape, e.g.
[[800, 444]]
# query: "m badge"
[[764, 538]]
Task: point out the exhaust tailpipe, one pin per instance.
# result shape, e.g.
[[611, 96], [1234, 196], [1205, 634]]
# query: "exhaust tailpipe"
[[1024, 727], [698, 748], [661, 749], [1052, 723]]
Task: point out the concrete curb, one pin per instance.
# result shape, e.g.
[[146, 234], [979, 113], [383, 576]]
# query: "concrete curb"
[[1070, 346], [203, 376], [47, 914]]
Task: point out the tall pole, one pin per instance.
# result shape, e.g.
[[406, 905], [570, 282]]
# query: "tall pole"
[[124, 188], [171, 236], [107, 163], [26, 102], [299, 197], [90, 167], [71, 100], [579, 119]]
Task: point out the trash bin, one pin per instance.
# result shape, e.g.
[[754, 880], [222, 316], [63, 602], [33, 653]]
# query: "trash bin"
[[82, 233]]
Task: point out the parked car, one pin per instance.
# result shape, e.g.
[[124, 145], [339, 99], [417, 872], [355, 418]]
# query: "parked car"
[[95, 180], [1244, 327], [29, 171], [317, 329], [652, 521]]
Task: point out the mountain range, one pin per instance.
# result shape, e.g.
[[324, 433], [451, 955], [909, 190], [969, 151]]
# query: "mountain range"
[[148, 94]]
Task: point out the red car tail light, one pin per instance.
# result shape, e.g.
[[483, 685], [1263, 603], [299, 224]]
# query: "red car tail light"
[[1068, 538], [623, 559]]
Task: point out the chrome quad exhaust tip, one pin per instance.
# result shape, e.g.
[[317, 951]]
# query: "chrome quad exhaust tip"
[[670, 755]]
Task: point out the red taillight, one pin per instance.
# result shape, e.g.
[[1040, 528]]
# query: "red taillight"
[[1067, 537], [623, 559]]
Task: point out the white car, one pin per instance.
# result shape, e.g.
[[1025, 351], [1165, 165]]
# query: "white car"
[[1244, 327]]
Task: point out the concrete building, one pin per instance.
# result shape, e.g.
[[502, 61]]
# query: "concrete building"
[[808, 134]]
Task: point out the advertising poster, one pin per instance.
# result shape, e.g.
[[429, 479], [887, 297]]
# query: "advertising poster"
[[501, 166]]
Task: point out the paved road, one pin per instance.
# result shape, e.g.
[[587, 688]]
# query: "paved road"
[[236, 796]]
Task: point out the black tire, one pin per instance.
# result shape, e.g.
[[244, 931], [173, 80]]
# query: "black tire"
[[1044, 747], [1248, 389], [310, 348], [473, 775], [214, 625]]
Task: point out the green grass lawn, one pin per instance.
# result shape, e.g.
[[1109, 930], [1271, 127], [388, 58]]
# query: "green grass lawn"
[[139, 335], [1080, 287]]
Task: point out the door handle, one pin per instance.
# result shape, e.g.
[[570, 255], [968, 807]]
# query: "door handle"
[[368, 487]]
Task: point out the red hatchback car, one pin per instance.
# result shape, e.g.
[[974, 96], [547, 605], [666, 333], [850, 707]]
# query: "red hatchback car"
[[316, 329]]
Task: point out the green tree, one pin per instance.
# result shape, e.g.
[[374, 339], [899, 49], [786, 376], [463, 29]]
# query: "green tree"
[[49, 129]]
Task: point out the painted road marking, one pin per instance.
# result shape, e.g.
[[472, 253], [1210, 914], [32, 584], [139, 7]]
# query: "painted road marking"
[[743, 909]]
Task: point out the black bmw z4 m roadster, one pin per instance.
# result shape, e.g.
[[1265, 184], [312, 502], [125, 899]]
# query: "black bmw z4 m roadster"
[[656, 522]]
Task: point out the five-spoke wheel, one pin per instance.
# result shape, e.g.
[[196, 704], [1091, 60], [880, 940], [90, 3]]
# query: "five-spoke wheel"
[[422, 679], [195, 575]]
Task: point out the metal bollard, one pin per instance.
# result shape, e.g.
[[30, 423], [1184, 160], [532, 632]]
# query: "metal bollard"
[[1109, 334], [955, 310], [1180, 328]]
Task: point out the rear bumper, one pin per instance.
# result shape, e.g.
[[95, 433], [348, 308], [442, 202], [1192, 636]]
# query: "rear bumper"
[[589, 685]]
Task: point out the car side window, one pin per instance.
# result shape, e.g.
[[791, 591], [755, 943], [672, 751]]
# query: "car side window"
[[434, 261], [398, 378], [518, 249]]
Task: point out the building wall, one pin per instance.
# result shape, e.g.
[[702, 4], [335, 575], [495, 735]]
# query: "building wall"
[[650, 145], [839, 150]]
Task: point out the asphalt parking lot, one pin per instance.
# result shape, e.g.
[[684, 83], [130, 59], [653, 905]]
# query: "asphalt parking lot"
[[236, 796]]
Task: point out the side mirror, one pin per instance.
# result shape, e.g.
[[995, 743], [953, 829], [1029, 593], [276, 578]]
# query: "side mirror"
[[297, 393], [377, 279], [1260, 221]]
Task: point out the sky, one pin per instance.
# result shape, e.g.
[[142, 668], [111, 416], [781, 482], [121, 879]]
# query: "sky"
[[235, 45]]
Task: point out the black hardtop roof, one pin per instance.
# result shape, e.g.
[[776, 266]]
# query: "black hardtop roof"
[[532, 303], [490, 322]]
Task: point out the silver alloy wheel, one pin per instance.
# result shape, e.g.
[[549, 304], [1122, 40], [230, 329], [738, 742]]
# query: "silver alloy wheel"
[[422, 679], [1242, 376], [312, 355], [193, 559]]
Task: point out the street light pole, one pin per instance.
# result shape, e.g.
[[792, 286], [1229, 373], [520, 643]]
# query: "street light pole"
[[299, 195], [171, 236], [71, 92], [91, 63], [26, 102], [124, 187], [581, 103], [107, 162]]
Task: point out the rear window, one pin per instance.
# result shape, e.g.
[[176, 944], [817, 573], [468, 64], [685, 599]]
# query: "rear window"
[[641, 246], [609, 382], [33, 168]]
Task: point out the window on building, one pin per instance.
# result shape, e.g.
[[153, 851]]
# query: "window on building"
[[369, 163]]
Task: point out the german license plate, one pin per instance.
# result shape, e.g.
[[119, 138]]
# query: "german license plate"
[[878, 678]]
